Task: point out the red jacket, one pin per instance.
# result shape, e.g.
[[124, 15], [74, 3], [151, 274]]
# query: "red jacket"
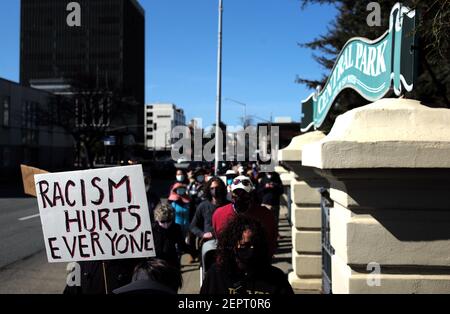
[[224, 214]]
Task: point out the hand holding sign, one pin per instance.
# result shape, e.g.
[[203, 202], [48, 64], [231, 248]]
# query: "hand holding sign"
[[95, 214]]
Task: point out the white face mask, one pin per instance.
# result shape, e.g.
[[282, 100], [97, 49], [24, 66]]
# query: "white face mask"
[[180, 178], [165, 225]]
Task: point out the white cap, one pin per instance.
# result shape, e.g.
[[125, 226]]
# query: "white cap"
[[247, 188], [230, 172]]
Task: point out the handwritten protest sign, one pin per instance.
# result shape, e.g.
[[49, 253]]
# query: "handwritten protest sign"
[[99, 214], [28, 178]]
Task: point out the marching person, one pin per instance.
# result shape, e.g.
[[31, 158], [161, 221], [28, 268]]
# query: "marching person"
[[215, 193], [196, 187], [181, 203], [167, 236], [244, 202], [243, 262], [154, 276], [180, 177], [270, 189]]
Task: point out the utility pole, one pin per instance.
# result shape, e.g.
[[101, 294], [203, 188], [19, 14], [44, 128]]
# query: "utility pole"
[[218, 148]]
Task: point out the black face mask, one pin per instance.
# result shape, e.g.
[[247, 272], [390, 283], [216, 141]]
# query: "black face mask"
[[241, 204], [246, 256]]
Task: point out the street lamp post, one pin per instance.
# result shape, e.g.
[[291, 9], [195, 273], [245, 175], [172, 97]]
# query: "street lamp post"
[[218, 151]]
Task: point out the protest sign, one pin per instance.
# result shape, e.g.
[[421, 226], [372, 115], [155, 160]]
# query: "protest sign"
[[28, 178], [99, 214]]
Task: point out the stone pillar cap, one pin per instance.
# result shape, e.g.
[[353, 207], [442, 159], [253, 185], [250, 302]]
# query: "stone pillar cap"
[[389, 133], [293, 152]]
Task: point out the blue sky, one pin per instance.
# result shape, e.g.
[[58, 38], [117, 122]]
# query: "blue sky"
[[261, 57]]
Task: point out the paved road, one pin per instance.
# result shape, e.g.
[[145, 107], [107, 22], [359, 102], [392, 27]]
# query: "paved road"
[[20, 238], [23, 261]]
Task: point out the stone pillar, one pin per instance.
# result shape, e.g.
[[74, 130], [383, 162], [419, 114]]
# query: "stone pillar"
[[306, 216], [286, 176], [388, 164]]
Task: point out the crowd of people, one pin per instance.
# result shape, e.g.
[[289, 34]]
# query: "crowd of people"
[[236, 215]]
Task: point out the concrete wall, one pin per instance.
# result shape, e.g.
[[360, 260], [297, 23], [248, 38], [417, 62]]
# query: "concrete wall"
[[305, 216]]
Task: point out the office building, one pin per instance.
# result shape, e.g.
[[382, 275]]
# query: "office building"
[[160, 119], [26, 140], [107, 51]]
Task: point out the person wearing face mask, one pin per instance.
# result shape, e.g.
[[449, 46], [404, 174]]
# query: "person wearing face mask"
[[196, 187], [180, 202], [270, 189], [182, 205], [243, 262], [180, 177], [215, 193], [244, 202], [197, 195], [167, 236]]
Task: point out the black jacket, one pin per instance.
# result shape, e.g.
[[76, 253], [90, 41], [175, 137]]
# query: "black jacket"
[[168, 243], [268, 280], [202, 221], [118, 273], [270, 196]]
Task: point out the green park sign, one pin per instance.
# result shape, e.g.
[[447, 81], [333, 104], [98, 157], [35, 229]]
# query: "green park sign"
[[370, 67]]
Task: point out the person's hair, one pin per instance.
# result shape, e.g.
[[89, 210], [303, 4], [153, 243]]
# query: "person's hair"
[[232, 234], [222, 189], [159, 271], [163, 212], [199, 171], [183, 171]]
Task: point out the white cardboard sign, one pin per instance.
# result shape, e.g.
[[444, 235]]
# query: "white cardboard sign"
[[98, 214]]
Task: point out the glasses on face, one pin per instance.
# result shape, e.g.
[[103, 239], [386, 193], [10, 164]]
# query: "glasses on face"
[[244, 182]]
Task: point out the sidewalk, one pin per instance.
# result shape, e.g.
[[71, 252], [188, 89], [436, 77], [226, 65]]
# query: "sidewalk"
[[282, 260]]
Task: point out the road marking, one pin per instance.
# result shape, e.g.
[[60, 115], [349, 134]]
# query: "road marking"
[[28, 217]]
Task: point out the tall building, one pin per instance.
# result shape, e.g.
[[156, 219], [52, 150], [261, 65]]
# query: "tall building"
[[23, 139], [160, 119], [107, 50]]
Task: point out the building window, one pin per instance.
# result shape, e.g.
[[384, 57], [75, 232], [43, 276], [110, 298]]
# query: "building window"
[[155, 127], [149, 130], [150, 137], [164, 117], [149, 114], [6, 110]]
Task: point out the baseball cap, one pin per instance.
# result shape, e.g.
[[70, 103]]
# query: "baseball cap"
[[242, 182]]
